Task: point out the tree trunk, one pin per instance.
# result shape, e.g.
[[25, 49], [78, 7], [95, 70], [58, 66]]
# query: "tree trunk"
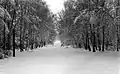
[[89, 44], [9, 42], [4, 39], [118, 14], [107, 44], [13, 31], [13, 42], [87, 39], [32, 46], [21, 49], [93, 38], [107, 41], [21, 20], [9, 34], [103, 38], [99, 41], [86, 43], [94, 42], [117, 38]]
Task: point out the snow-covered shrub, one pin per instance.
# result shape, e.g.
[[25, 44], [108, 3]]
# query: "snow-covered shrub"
[[1, 53], [7, 53]]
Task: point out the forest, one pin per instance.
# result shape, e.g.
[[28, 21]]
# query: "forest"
[[24, 24], [91, 24]]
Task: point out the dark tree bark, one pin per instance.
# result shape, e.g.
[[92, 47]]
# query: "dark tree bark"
[[9, 42], [95, 41], [103, 38], [89, 48], [4, 39], [9, 24], [21, 20], [94, 45], [118, 14], [93, 38], [107, 44], [99, 41], [117, 38], [86, 44], [13, 42]]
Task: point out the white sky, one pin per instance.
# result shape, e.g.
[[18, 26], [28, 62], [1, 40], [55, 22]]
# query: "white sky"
[[55, 5]]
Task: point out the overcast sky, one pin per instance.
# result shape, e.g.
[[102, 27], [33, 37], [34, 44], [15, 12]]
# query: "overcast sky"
[[55, 5]]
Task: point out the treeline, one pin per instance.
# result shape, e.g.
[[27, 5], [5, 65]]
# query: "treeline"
[[24, 24], [91, 24]]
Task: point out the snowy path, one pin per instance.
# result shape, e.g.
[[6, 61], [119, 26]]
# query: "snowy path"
[[61, 61]]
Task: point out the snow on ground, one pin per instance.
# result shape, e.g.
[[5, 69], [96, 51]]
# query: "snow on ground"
[[55, 60]]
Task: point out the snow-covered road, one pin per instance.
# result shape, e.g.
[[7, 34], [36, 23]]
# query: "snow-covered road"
[[53, 60]]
